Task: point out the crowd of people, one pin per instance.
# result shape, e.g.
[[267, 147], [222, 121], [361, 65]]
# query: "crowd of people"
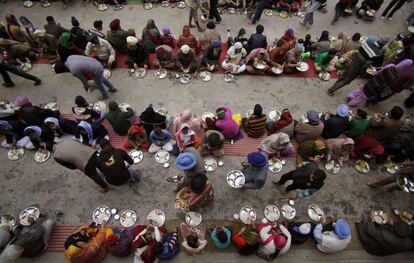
[[321, 136]]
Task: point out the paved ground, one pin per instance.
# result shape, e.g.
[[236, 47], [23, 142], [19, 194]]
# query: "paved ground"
[[51, 187]]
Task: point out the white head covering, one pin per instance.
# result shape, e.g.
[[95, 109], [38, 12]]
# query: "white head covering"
[[52, 120], [185, 49], [305, 228], [132, 40], [39, 33], [238, 45]]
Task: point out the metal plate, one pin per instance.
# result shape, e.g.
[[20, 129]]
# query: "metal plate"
[[102, 7], [15, 154], [275, 166], [162, 111], [277, 70], [288, 212], [162, 156], [156, 217], [324, 76], [249, 113], [260, 65], [231, 10], [28, 212], [410, 29], [274, 115], [315, 212], [148, 6], [124, 106], [228, 77], [46, 4], [206, 115], [391, 167], [271, 213], [268, 12], [185, 78], [210, 164], [8, 219], [140, 73], [371, 70], [193, 219], [107, 73], [99, 106], [118, 7], [361, 166], [348, 10], [52, 106], [405, 184], [26, 66], [128, 218], [302, 67], [283, 14], [206, 76], [332, 166], [161, 74], [100, 214], [136, 155], [28, 4], [165, 3], [235, 179], [181, 5], [41, 156], [247, 215], [379, 217]]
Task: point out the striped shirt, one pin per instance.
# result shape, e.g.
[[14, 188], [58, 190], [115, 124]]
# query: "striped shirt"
[[256, 126]]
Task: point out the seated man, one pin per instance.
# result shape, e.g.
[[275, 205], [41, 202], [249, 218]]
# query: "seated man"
[[385, 240], [255, 170], [307, 177], [79, 34], [276, 240], [332, 237], [119, 120], [358, 124], [117, 36], [198, 195], [310, 130], [322, 61], [194, 241], [221, 236], [235, 59], [385, 128], [212, 143], [47, 44], [186, 60], [335, 124], [161, 140], [211, 56], [111, 162], [103, 51], [225, 123], [191, 163], [311, 151], [137, 54], [137, 138], [258, 55], [164, 57]]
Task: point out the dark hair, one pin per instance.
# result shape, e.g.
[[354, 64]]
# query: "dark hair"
[[397, 112], [50, 19], [356, 37], [192, 241], [219, 109], [60, 68], [300, 41], [361, 113], [308, 37], [258, 110], [97, 23], [104, 143], [214, 139], [198, 183], [211, 25], [259, 28], [324, 36], [320, 175], [332, 51], [221, 236]]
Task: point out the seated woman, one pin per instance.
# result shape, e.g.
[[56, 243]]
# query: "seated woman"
[[164, 57], [137, 138], [151, 36], [292, 59], [82, 111], [343, 44], [221, 236], [188, 39], [322, 45], [277, 54], [340, 149], [167, 38], [255, 125], [186, 60], [185, 137], [310, 130], [311, 151], [258, 55], [146, 240], [119, 243], [276, 240], [235, 59], [285, 124], [323, 61], [161, 140], [39, 138], [90, 133], [367, 147], [332, 237], [197, 195], [255, 170], [137, 54], [212, 143], [13, 131], [101, 50], [288, 5], [120, 121], [194, 241], [60, 126], [245, 238], [149, 118], [189, 118], [88, 244], [211, 56], [385, 240], [225, 123], [277, 145]]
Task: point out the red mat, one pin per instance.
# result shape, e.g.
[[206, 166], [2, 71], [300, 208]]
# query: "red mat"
[[311, 73]]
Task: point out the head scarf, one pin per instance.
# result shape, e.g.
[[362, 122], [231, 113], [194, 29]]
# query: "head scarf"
[[150, 24], [342, 229], [319, 145], [313, 117], [258, 110], [342, 110], [115, 24], [238, 45], [36, 130], [336, 148], [11, 19], [289, 35], [6, 124], [74, 21], [216, 43], [186, 31], [275, 142], [88, 128], [160, 52], [131, 41], [324, 36], [285, 120], [81, 101], [65, 40], [113, 106], [185, 138], [21, 100], [26, 23], [166, 31], [52, 120], [344, 44]]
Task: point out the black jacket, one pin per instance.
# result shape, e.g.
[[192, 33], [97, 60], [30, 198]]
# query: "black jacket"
[[301, 178], [111, 162], [334, 126], [33, 115]]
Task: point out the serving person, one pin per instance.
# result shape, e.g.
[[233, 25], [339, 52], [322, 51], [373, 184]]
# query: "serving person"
[[102, 50], [255, 170], [332, 237], [310, 130], [191, 163], [235, 59]]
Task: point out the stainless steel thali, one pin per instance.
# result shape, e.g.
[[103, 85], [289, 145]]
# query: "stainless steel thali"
[[271, 213], [128, 218], [274, 115], [206, 115], [26, 66], [206, 76], [379, 217], [277, 70], [162, 156], [102, 7], [288, 212], [249, 113], [124, 106], [42, 156], [361, 166], [228, 77], [247, 215], [162, 111], [99, 106], [15, 154], [52, 106], [156, 217], [136, 155], [275, 166], [193, 219], [324, 76], [107, 73], [32, 212], [332, 166], [302, 67], [210, 164], [161, 74], [260, 65], [100, 214], [235, 179], [8, 219], [315, 212]]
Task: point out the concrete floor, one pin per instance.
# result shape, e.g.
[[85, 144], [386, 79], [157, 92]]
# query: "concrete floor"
[[51, 187]]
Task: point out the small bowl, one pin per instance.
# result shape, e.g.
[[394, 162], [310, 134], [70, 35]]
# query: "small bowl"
[[291, 202], [166, 165], [236, 216], [220, 163], [114, 211], [117, 217]]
